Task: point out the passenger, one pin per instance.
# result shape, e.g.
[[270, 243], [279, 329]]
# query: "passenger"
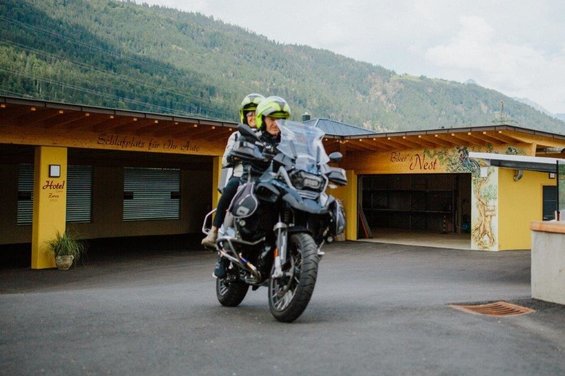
[[268, 111], [246, 116]]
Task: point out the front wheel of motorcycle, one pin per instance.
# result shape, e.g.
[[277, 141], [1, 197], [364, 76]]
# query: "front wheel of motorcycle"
[[230, 293], [290, 294]]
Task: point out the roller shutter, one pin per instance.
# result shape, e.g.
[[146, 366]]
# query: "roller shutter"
[[151, 193], [79, 194], [25, 194]]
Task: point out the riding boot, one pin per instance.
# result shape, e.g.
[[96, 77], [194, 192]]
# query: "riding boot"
[[220, 268], [210, 239]]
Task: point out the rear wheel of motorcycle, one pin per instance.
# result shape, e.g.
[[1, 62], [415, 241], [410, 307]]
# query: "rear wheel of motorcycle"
[[230, 293], [290, 294]]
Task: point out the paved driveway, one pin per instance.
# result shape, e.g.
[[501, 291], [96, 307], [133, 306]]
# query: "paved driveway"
[[378, 309]]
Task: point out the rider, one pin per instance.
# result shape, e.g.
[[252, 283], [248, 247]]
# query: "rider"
[[246, 116], [267, 112]]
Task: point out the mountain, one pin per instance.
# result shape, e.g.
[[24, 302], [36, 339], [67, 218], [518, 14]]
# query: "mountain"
[[560, 117], [534, 105], [125, 55]]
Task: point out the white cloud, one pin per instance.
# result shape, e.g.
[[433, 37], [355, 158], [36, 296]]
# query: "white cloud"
[[520, 70], [516, 47]]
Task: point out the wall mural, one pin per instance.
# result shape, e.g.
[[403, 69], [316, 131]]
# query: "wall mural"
[[484, 209], [484, 196]]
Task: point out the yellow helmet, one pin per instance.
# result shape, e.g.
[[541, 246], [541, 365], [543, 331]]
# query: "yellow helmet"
[[274, 107], [249, 103]]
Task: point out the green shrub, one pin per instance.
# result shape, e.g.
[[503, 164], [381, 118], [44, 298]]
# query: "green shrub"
[[66, 244]]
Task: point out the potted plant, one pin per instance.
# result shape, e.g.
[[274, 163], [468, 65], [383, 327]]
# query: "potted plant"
[[66, 250]]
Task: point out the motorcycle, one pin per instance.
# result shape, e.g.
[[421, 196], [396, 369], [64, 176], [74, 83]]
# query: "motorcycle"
[[278, 221]]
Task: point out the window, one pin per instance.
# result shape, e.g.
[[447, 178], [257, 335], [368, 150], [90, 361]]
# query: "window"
[[561, 189], [549, 202], [151, 193]]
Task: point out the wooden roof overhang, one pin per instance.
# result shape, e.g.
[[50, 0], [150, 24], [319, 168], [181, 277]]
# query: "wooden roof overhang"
[[478, 136], [63, 121]]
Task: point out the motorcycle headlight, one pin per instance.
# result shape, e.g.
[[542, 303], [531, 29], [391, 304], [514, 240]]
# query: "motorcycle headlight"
[[302, 180]]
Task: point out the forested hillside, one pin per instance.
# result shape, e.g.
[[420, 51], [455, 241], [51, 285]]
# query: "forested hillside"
[[124, 55]]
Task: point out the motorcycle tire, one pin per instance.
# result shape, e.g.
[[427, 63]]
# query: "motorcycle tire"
[[289, 295], [230, 293]]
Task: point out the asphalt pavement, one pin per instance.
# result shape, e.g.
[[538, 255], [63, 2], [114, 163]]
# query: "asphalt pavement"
[[378, 309]]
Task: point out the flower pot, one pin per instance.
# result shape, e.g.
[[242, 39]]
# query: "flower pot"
[[64, 262]]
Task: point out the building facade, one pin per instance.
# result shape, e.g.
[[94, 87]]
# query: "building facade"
[[112, 173]]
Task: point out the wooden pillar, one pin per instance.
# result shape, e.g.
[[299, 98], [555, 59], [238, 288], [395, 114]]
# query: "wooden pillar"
[[49, 202]]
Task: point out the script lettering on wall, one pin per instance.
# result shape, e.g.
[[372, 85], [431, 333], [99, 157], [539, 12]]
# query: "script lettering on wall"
[[415, 161], [145, 144], [55, 189]]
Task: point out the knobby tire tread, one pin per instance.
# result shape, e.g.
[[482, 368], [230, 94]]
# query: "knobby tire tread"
[[235, 294], [308, 276]]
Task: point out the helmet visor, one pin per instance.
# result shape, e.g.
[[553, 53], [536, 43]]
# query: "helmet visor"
[[278, 115]]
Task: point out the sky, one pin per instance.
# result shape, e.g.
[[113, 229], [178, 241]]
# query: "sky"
[[515, 47]]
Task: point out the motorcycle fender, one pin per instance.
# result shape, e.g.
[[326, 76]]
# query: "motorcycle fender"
[[305, 205], [298, 229]]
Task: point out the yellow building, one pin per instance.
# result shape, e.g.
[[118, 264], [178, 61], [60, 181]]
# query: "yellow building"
[[112, 173]]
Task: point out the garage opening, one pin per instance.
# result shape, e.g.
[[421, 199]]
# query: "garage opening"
[[111, 194], [415, 203]]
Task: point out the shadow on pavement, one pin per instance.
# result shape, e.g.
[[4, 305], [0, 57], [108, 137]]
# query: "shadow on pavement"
[[16, 256]]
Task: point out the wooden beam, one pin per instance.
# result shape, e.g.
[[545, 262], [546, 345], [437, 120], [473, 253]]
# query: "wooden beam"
[[448, 140], [92, 121], [396, 144], [537, 139], [460, 139], [421, 140], [64, 119], [33, 118], [492, 140], [440, 142], [110, 125], [382, 144], [133, 125], [10, 112], [476, 139], [499, 135], [362, 145], [406, 142]]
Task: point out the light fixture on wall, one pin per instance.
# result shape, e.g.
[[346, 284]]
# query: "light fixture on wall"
[[518, 174], [54, 171], [552, 175]]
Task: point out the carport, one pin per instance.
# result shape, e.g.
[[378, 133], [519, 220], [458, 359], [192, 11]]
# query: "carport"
[[423, 182], [103, 173]]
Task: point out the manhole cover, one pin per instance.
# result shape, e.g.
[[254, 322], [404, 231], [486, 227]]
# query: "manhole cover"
[[500, 308]]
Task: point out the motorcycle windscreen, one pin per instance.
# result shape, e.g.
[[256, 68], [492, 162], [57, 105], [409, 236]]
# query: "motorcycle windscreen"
[[244, 203], [303, 144]]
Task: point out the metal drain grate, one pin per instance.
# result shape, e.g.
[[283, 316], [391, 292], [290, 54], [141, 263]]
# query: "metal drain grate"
[[500, 308]]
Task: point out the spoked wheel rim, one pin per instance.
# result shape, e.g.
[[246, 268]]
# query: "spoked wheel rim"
[[283, 289], [230, 290], [223, 286]]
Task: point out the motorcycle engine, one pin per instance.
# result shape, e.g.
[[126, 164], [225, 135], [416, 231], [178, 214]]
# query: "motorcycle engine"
[[248, 227]]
